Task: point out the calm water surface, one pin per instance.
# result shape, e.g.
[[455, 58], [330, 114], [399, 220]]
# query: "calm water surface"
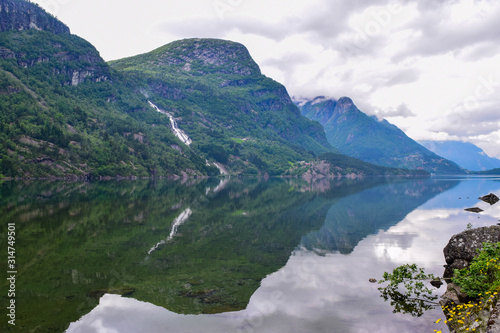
[[229, 255]]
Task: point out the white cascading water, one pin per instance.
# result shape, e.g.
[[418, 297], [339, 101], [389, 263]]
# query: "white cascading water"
[[183, 136], [177, 131]]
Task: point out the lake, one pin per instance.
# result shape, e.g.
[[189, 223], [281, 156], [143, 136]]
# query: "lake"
[[229, 255]]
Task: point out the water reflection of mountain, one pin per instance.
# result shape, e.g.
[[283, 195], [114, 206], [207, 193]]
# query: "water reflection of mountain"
[[356, 216], [197, 248], [77, 241]]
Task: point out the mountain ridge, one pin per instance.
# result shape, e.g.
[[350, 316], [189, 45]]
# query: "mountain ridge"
[[220, 86], [64, 112], [465, 154], [223, 56], [358, 135]]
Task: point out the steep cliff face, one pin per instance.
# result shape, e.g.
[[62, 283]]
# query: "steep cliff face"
[[22, 15], [67, 59], [358, 135], [36, 41]]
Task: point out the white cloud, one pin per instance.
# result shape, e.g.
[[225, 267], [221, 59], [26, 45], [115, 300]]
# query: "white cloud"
[[401, 111]]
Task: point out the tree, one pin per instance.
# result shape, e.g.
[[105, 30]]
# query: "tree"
[[407, 290]]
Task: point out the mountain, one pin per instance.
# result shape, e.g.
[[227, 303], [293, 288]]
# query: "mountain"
[[358, 135], [495, 171], [465, 154], [234, 115], [195, 107], [22, 15], [65, 112]]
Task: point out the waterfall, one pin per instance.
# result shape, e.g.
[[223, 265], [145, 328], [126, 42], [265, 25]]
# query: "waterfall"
[[177, 131]]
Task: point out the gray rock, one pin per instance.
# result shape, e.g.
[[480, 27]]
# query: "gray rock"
[[24, 15], [463, 247], [453, 295], [494, 321], [437, 283], [474, 209], [490, 198], [459, 252]]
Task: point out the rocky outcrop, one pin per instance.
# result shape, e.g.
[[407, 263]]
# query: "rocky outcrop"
[[22, 15], [490, 198], [494, 322], [208, 56], [459, 252], [454, 295], [463, 247], [72, 68], [68, 57]]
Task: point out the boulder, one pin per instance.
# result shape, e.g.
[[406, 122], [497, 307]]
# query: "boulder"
[[463, 247], [490, 198], [474, 209], [452, 295], [459, 252], [437, 283]]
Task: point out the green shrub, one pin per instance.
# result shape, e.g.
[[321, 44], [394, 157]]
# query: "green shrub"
[[407, 290], [482, 274]]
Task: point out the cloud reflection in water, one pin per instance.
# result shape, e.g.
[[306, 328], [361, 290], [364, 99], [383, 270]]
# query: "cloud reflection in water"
[[312, 293]]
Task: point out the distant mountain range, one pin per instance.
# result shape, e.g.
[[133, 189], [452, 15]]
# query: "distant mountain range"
[[465, 154], [196, 107], [360, 136]]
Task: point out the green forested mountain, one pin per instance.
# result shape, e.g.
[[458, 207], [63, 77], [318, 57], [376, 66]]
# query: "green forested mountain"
[[64, 112], [355, 134], [194, 107], [234, 115], [495, 171]]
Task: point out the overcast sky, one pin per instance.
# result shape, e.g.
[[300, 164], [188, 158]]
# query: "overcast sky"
[[431, 67]]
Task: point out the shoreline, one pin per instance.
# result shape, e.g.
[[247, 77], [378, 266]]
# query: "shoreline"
[[458, 253]]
